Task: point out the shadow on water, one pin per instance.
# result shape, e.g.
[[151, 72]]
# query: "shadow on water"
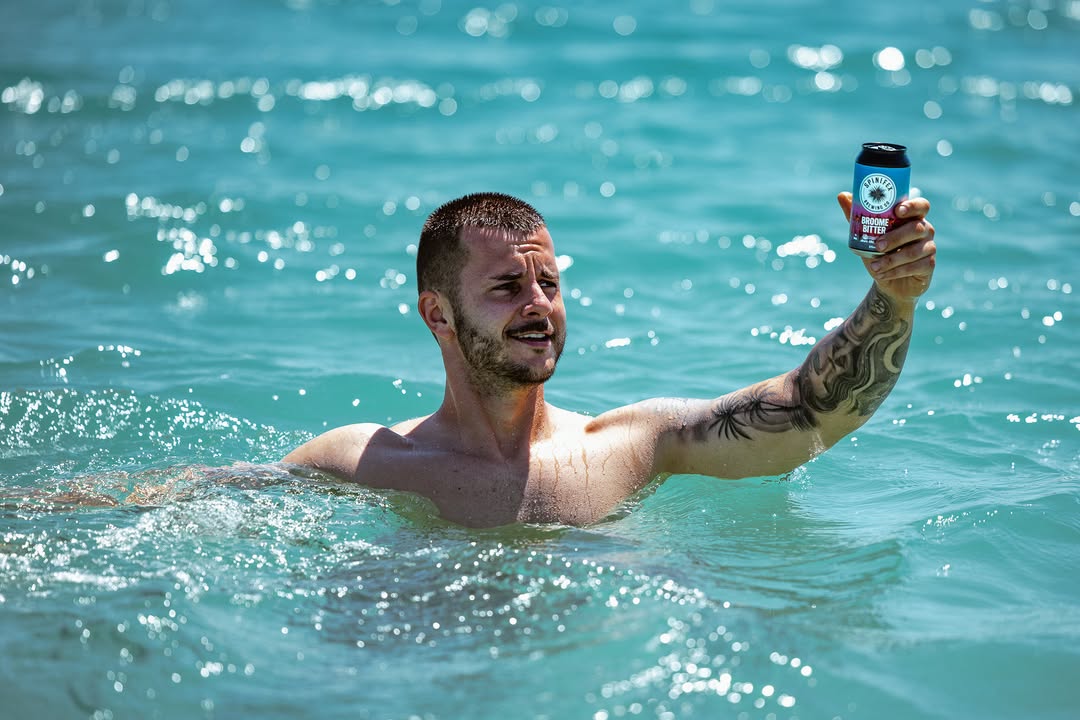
[[753, 543]]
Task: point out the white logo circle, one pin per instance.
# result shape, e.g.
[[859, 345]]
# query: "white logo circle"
[[877, 193]]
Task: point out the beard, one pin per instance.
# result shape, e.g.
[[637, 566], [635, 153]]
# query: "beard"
[[487, 356]]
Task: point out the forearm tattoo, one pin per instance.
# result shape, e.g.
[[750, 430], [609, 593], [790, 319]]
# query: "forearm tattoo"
[[854, 367]]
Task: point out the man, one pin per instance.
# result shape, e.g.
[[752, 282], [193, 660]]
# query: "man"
[[495, 452]]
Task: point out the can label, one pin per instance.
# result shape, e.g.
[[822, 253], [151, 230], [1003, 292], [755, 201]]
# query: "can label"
[[875, 195]]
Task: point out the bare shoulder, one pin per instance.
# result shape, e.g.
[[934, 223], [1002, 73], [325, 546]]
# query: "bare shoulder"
[[339, 450], [654, 416]]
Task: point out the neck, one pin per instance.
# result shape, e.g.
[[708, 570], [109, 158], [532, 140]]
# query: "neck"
[[498, 423]]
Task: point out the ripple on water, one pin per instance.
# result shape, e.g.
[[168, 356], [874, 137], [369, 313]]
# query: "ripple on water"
[[105, 429], [349, 582]]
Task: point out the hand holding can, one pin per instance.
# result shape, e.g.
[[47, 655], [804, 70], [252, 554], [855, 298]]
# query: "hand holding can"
[[882, 181]]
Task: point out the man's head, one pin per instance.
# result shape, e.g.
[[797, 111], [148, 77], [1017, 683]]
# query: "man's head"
[[441, 254], [489, 290]]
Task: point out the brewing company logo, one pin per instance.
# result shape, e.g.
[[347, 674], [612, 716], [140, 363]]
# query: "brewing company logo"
[[877, 193]]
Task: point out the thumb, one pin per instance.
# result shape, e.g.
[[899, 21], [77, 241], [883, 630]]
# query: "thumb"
[[845, 200]]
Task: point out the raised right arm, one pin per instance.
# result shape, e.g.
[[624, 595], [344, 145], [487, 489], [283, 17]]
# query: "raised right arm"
[[773, 426]]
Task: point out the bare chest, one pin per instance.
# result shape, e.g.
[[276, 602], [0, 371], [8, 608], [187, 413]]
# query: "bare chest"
[[573, 483]]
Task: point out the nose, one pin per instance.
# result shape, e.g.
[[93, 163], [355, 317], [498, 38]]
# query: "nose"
[[539, 304]]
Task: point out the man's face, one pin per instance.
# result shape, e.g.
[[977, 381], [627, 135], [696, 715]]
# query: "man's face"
[[509, 315]]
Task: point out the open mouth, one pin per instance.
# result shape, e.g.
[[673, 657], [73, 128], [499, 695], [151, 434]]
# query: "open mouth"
[[532, 336]]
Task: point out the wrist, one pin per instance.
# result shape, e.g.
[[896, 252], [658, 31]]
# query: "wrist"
[[903, 303]]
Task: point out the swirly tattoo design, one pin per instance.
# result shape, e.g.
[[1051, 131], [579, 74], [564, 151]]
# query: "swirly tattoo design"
[[856, 366]]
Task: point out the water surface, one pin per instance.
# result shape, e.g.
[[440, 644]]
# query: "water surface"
[[210, 214]]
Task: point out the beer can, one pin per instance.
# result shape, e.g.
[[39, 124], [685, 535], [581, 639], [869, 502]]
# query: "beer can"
[[882, 181]]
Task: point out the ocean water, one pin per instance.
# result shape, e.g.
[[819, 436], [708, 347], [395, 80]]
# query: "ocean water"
[[208, 217]]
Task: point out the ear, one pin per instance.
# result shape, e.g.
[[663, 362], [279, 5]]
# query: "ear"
[[437, 313]]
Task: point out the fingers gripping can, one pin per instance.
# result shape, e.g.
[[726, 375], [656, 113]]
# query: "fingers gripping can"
[[882, 181]]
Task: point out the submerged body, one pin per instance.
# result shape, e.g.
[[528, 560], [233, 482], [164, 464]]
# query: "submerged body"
[[495, 452], [574, 473]]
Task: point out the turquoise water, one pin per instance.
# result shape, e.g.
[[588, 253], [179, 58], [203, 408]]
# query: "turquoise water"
[[208, 213]]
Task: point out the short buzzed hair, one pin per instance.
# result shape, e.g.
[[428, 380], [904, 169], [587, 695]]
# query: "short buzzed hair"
[[440, 256]]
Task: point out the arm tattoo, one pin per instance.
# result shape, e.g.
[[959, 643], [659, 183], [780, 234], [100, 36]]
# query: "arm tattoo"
[[861, 361], [854, 366], [758, 408]]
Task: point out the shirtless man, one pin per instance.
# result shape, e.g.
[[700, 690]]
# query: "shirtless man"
[[496, 453]]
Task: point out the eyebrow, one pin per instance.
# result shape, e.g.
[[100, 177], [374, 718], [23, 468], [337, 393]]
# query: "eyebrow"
[[517, 275]]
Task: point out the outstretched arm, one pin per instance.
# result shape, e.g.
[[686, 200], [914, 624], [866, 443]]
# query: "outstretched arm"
[[776, 425]]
